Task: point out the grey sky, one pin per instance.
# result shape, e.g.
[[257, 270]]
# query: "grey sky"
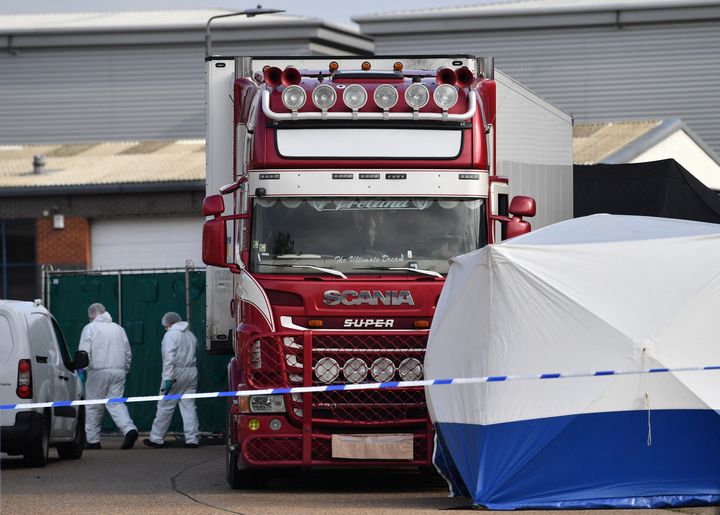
[[335, 10]]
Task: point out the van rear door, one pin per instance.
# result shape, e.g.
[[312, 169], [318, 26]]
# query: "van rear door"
[[8, 368]]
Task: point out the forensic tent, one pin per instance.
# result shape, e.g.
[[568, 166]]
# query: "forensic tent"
[[601, 293], [656, 188]]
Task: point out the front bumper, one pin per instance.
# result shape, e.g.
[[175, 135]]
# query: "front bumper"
[[292, 447]]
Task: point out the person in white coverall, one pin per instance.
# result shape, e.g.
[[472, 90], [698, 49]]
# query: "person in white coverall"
[[179, 375], [110, 356]]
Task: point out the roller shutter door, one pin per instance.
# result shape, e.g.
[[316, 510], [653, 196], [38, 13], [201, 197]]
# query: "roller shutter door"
[[155, 243]]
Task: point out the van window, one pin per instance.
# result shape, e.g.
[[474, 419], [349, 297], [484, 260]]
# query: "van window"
[[42, 339], [64, 352], [6, 339]]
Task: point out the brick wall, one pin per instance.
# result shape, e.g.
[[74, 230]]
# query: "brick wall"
[[63, 248]]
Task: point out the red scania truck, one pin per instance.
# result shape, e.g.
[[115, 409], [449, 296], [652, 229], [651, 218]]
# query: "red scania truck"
[[338, 189]]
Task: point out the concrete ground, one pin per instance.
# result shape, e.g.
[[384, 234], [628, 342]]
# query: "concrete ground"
[[184, 481]]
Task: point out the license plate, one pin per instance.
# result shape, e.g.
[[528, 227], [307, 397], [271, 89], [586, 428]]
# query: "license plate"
[[373, 446]]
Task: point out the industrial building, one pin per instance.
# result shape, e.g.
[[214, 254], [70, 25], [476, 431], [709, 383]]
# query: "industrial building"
[[102, 99], [600, 60]]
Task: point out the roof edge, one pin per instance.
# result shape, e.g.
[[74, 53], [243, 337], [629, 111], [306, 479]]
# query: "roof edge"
[[652, 138], [93, 189]]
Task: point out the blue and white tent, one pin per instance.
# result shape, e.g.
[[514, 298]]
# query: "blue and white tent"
[[592, 294]]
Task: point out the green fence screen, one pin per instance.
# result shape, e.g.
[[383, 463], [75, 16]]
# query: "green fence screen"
[[138, 300]]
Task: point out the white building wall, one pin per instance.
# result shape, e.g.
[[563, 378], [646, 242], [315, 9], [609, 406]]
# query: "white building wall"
[[683, 149]]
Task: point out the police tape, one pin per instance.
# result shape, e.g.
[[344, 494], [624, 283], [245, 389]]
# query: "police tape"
[[355, 386]]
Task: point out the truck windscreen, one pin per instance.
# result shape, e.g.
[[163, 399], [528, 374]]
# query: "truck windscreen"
[[362, 236]]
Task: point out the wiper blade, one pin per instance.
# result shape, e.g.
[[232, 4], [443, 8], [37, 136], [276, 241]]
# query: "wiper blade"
[[318, 268], [416, 270]]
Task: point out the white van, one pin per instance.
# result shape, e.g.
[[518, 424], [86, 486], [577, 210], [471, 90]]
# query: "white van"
[[35, 366]]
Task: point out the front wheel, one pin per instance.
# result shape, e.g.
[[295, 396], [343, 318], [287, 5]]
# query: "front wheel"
[[244, 479], [74, 450], [36, 453]]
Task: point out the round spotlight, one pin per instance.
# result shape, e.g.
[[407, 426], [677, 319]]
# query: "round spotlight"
[[410, 370], [385, 96], [445, 96], [327, 370], [417, 95], [355, 96], [324, 96], [293, 97], [382, 370], [355, 370]]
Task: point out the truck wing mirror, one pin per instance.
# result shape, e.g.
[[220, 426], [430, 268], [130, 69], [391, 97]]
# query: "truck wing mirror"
[[516, 227], [522, 206], [81, 360], [213, 205], [519, 206], [214, 244]]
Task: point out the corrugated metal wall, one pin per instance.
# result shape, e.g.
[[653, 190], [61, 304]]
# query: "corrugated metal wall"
[[650, 71], [112, 93]]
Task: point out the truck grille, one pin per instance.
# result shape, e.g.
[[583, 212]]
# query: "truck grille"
[[279, 361]]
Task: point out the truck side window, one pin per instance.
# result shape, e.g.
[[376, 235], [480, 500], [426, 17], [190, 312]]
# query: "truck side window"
[[64, 352]]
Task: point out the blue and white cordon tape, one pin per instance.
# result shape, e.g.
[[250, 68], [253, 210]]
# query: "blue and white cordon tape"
[[364, 386]]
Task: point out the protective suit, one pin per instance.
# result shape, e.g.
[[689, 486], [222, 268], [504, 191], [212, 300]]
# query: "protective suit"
[[110, 356], [178, 357]]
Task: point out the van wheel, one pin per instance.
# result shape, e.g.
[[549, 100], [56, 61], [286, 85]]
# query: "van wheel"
[[36, 454], [74, 450]]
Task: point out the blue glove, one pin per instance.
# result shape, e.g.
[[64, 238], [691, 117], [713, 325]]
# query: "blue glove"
[[167, 386], [82, 374]]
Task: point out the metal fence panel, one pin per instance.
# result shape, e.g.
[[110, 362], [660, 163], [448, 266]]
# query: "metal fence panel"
[[137, 300]]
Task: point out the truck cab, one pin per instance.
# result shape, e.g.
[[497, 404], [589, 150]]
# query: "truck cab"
[[339, 189]]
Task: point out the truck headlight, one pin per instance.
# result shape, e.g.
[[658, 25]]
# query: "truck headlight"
[[445, 96], [382, 370], [293, 97], [417, 95], [267, 404], [355, 97], [327, 370], [410, 370], [324, 96], [386, 96], [355, 370]]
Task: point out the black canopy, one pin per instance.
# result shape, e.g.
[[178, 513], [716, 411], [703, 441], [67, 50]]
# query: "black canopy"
[[658, 188]]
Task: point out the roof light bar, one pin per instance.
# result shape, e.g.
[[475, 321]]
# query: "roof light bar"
[[451, 117]]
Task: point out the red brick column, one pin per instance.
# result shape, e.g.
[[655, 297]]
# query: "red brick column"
[[63, 248]]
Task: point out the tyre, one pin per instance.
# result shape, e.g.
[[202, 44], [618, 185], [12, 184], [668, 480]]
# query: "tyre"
[[233, 473], [74, 450], [243, 479], [36, 454]]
